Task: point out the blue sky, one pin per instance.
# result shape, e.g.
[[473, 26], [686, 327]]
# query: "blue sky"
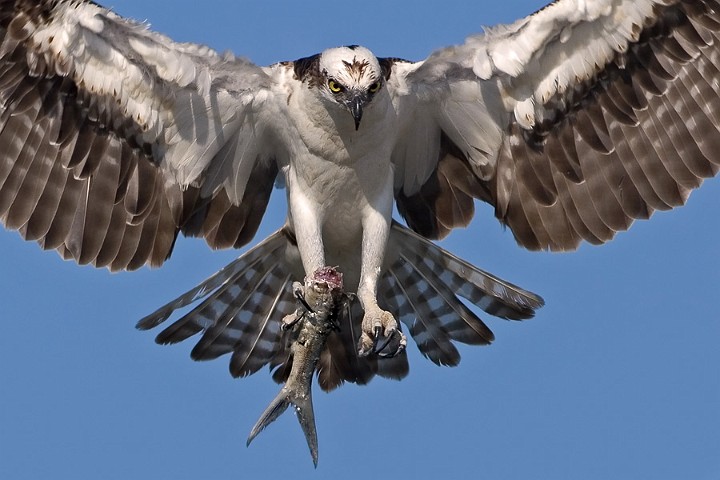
[[617, 377]]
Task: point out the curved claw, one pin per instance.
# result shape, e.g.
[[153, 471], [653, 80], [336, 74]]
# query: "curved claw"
[[301, 298], [397, 335], [380, 346], [380, 335]]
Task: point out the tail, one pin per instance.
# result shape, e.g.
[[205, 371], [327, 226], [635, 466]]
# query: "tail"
[[238, 309], [491, 294], [302, 401], [422, 285]]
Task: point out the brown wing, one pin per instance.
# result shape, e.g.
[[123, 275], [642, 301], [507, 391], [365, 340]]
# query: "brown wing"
[[107, 137], [614, 115]]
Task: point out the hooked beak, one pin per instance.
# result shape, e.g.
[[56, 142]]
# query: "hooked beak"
[[355, 105]]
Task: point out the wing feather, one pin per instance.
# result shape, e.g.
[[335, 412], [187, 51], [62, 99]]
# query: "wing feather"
[[104, 124], [69, 190], [112, 243], [27, 161], [34, 185], [102, 187], [607, 112]]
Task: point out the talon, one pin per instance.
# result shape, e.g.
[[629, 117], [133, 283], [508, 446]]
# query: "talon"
[[397, 341], [379, 347], [301, 298], [380, 335]]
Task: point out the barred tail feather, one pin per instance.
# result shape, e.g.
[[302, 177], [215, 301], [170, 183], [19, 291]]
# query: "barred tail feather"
[[429, 334], [423, 286], [260, 341], [489, 293], [214, 282], [238, 309], [215, 311], [435, 299], [237, 312]]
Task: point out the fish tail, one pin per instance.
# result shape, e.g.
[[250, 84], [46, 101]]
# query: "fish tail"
[[302, 401]]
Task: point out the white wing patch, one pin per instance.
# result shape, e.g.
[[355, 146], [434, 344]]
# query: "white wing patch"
[[575, 120], [165, 87], [78, 43], [517, 68], [131, 136], [561, 46]]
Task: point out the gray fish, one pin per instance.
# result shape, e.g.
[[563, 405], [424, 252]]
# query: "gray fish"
[[322, 299]]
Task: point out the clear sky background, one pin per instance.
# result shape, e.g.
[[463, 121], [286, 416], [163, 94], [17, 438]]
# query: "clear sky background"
[[617, 377]]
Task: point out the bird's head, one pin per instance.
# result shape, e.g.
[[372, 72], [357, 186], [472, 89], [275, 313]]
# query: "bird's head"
[[352, 77]]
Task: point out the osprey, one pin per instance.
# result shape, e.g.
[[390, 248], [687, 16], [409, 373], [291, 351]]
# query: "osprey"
[[571, 123]]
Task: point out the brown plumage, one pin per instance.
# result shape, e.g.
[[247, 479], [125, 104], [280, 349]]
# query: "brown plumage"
[[79, 177], [629, 141]]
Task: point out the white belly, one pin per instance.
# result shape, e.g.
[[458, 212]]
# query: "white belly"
[[340, 184], [339, 199]]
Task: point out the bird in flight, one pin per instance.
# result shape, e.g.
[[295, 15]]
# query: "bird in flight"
[[572, 123]]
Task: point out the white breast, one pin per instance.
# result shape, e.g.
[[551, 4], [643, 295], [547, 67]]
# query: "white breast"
[[338, 173]]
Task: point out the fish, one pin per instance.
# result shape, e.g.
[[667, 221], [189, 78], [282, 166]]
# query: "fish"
[[322, 302]]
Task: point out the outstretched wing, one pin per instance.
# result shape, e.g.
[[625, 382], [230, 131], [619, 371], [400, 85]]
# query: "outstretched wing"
[[113, 138], [572, 122]]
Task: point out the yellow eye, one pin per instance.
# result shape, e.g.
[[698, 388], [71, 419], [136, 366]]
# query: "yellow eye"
[[374, 87], [334, 86]]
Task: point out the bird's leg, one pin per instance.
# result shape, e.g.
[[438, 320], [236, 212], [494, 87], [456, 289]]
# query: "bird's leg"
[[380, 331]]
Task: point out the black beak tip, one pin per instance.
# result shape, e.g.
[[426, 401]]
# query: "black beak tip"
[[356, 109]]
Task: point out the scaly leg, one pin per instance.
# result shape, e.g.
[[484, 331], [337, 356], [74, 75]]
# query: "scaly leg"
[[380, 332]]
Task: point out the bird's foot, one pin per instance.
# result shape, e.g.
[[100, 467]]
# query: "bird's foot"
[[381, 334]]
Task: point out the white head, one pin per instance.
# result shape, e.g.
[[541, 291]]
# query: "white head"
[[350, 76]]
